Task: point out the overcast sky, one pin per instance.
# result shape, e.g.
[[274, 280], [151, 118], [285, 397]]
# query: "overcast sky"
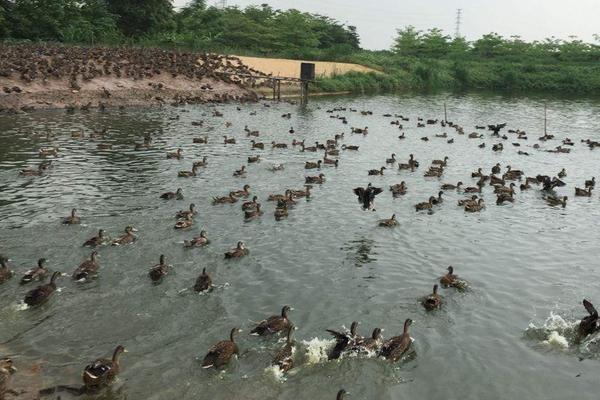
[[377, 20]]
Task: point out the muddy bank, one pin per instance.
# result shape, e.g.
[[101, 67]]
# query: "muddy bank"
[[41, 77]]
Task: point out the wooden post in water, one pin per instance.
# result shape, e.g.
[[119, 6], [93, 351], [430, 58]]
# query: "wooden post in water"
[[274, 83], [278, 90], [445, 113], [545, 117]]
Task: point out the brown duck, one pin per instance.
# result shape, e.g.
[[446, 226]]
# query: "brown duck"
[[102, 372], [394, 348], [42, 293], [87, 268], [160, 270], [273, 324], [203, 282], [221, 353], [239, 251], [36, 274]]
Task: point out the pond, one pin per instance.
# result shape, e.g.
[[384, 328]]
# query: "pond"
[[509, 335]]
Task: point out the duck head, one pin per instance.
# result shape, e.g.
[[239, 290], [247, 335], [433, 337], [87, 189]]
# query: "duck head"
[[284, 311]]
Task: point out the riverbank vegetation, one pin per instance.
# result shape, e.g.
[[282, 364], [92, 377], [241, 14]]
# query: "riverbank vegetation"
[[417, 60]]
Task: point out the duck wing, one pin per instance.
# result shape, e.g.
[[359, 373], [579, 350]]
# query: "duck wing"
[[590, 308], [360, 192], [270, 325], [98, 371]]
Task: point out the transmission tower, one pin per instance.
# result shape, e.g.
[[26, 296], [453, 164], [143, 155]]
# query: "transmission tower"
[[222, 3], [458, 17]]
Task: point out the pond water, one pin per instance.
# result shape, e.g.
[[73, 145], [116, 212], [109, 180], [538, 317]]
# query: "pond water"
[[509, 336]]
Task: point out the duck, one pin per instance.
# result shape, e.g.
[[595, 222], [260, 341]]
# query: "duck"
[[239, 251], [197, 241], [477, 174], [391, 160], [278, 145], [227, 140], [281, 212], [240, 172], [343, 340], [510, 190], [87, 268], [312, 165], [449, 186], [102, 371], [330, 161], [449, 279], [350, 147], [394, 348], [377, 171], [589, 323], [439, 199], [253, 159], [315, 179], [284, 357], [468, 200], [562, 173], [590, 182], [391, 222], [202, 163], [257, 145], [6, 370], [250, 205], [308, 148], [36, 274], [127, 238], [225, 199], [97, 240], [340, 394], [245, 192], [173, 195], [496, 169], [273, 324], [433, 301], [475, 207], [278, 197], [366, 196], [177, 154], [473, 189], [5, 272], [425, 205], [555, 201], [443, 162], [203, 282], [221, 353], [185, 213], [301, 193], [200, 140], [42, 293], [160, 270], [188, 174], [504, 197], [72, 219], [253, 213], [369, 344], [583, 192], [399, 189]]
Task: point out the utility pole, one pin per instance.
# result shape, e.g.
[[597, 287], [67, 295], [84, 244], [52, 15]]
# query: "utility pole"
[[458, 17]]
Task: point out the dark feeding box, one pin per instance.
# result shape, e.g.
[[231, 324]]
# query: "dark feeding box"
[[307, 71]]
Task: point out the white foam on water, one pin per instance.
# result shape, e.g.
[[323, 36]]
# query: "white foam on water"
[[317, 349], [557, 341], [276, 373], [21, 306]]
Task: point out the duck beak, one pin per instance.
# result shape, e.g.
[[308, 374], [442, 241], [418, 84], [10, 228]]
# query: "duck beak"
[[134, 230], [125, 351], [12, 369]]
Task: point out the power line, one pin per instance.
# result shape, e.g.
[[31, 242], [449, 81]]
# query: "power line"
[[458, 17]]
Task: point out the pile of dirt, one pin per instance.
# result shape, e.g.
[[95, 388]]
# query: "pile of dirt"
[[52, 76]]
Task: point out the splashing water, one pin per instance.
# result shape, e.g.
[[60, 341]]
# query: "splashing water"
[[317, 349]]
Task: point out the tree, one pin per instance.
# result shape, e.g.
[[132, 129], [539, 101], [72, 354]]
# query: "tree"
[[489, 45], [408, 42], [434, 43], [139, 17]]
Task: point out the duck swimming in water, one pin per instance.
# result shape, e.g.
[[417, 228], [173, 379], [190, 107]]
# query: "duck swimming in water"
[[239, 251], [203, 282], [245, 192], [185, 213], [5, 272], [173, 195], [273, 324], [42, 293], [97, 240], [87, 268], [197, 241], [433, 301], [221, 353], [160, 270], [284, 357], [184, 223], [102, 372], [36, 274], [72, 219], [343, 340], [388, 223], [127, 238], [449, 279], [394, 348]]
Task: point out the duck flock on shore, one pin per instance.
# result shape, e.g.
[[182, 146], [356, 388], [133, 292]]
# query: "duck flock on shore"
[[501, 181]]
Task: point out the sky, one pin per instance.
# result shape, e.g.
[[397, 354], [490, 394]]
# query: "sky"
[[377, 20]]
